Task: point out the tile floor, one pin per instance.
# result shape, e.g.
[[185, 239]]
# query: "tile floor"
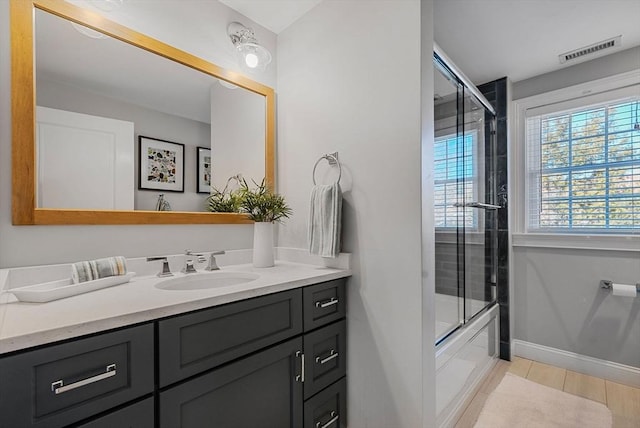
[[624, 401]]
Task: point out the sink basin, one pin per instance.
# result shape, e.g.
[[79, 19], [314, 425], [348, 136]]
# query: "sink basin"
[[204, 281]]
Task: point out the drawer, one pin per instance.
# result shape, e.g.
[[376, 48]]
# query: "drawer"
[[62, 384], [328, 409], [325, 357], [192, 343], [324, 303], [139, 415]]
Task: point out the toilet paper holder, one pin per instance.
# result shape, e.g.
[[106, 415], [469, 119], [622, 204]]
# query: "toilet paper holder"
[[608, 284]]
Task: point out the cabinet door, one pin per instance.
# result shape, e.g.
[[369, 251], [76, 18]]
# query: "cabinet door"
[[262, 390], [193, 343], [139, 415], [325, 353]]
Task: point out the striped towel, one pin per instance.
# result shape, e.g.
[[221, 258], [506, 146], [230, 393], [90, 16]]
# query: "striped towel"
[[95, 269], [325, 220]]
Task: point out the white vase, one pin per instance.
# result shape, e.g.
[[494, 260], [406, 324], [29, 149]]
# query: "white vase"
[[263, 244]]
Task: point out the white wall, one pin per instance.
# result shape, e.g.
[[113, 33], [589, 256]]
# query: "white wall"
[[557, 299], [238, 121], [349, 81], [195, 26]]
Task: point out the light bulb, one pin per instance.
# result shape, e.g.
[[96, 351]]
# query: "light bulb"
[[251, 60]]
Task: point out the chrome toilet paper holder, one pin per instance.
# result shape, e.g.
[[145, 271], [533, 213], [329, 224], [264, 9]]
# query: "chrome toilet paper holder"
[[608, 285]]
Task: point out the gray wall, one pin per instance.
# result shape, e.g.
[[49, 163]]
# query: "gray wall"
[[610, 65], [357, 91], [556, 295], [558, 302], [147, 122], [205, 35]]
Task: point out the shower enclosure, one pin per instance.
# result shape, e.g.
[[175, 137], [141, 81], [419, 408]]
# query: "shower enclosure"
[[466, 234]]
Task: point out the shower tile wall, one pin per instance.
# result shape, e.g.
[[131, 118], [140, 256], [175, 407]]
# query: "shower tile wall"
[[496, 94], [446, 268]]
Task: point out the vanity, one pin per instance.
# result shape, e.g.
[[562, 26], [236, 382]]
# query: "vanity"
[[269, 352]]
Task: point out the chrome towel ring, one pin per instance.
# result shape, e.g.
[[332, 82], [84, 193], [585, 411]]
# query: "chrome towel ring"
[[332, 158]]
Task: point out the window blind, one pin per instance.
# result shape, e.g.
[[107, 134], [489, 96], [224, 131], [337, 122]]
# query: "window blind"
[[583, 168], [454, 180]]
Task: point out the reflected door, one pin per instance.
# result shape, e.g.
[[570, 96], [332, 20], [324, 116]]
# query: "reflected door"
[[83, 161]]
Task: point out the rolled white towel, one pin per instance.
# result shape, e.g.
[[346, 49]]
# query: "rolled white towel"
[[100, 268]]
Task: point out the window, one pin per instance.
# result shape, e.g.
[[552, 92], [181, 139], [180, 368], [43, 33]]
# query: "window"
[[454, 180], [584, 169]]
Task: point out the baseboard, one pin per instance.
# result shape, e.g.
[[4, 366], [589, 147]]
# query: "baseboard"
[[615, 372]]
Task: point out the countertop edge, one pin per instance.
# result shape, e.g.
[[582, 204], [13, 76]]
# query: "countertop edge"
[[23, 342]]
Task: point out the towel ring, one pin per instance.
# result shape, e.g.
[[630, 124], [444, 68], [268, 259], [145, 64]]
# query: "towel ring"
[[332, 158]]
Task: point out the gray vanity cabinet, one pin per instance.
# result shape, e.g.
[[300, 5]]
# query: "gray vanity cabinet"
[[277, 360]]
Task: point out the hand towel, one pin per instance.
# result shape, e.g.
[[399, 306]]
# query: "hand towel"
[[96, 269], [325, 220]]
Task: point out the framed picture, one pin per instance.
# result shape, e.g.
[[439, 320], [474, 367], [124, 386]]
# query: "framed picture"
[[204, 170], [161, 165]]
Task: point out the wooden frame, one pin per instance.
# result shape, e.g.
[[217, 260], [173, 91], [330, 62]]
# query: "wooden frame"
[[24, 210], [203, 176], [173, 169]]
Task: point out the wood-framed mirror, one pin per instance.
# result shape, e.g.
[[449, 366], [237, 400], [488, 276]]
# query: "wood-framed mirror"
[[27, 201]]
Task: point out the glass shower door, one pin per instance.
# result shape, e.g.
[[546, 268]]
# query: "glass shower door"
[[447, 168], [479, 240], [464, 194]]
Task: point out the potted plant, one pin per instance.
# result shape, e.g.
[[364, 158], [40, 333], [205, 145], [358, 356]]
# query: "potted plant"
[[226, 200], [264, 207]]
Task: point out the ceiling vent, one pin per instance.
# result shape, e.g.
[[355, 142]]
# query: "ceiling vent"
[[591, 49]]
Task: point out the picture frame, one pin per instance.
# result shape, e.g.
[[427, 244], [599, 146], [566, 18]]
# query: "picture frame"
[[203, 178], [161, 165]]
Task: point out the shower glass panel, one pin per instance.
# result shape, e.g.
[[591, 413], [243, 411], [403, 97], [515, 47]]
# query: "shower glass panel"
[[465, 213], [448, 93]]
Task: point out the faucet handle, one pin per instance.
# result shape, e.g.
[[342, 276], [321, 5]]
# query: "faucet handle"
[[213, 264], [165, 266]]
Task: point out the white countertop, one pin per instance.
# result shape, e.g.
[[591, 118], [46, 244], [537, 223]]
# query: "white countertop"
[[24, 325]]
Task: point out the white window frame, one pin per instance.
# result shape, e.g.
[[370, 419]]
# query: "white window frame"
[[602, 90]]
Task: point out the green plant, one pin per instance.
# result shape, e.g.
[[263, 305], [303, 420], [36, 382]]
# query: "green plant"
[[261, 204], [226, 201]]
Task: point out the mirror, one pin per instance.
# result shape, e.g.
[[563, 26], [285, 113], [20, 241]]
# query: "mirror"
[[171, 106]]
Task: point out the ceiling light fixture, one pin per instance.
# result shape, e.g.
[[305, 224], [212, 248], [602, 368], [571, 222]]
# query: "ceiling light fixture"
[[252, 55]]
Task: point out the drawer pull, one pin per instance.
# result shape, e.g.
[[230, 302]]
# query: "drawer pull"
[[300, 377], [333, 354], [327, 303], [334, 419], [58, 387]]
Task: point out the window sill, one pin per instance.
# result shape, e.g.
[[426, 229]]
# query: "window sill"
[[574, 241]]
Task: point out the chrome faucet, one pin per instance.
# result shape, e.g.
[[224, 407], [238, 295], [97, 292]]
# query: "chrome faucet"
[[165, 266], [189, 263], [213, 265]]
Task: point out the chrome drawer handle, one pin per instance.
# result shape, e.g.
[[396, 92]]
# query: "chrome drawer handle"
[[300, 377], [58, 387], [333, 354], [334, 418], [327, 303]]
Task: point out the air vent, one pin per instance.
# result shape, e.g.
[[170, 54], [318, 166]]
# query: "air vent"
[[590, 50]]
